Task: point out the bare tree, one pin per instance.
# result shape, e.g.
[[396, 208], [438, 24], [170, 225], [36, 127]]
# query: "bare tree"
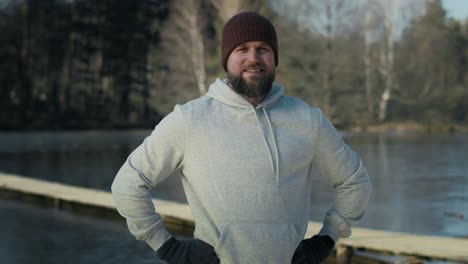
[[183, 43], [192, 13], [387, 55], [412, 71], [427, 58], [370, 27], [24, 61], [228, 8], [327, 21], [367, 62], [380, 56]]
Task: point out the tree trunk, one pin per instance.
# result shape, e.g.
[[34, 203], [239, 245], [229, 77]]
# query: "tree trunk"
[[198, 50], [386, 95], [368, 65], [227, 8], [24, 65], [388, 58], [328, 59]]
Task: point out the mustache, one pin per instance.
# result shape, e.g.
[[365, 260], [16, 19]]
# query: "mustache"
[[254, 66]]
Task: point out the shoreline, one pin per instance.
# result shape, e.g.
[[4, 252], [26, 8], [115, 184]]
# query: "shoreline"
[[411, 126], [405, 126]]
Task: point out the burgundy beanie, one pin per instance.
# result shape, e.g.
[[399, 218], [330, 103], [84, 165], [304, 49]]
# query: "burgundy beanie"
[[247, 26]]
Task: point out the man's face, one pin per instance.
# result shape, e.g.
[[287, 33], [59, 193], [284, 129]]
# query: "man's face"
[[251, 69]]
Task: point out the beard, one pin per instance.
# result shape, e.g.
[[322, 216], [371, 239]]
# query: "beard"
[[255, 87]]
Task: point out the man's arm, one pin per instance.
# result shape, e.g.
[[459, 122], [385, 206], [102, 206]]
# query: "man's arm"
[[345, 171], [154, 160]]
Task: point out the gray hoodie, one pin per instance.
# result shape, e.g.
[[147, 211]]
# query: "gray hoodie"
[[246, 172]]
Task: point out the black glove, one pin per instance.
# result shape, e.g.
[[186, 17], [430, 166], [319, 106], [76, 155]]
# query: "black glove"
[[193, 251], [313, 250]]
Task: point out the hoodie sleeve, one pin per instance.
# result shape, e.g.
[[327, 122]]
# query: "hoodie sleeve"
[[154, 160], [344, 170]]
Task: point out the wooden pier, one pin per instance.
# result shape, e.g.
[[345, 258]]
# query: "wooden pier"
[[364, 246]]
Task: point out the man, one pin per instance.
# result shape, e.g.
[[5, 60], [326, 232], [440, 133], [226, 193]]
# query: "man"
[[246, 152]]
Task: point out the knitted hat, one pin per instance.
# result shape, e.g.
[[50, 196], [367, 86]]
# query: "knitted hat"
[[247, 26]]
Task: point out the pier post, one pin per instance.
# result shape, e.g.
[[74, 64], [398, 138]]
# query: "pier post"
[[343, 254]]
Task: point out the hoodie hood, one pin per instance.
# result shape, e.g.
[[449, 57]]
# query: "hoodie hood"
[[220, 91]]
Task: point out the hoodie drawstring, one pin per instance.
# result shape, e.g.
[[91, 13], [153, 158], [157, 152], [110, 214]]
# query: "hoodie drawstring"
[[274, 144], [266, 143]]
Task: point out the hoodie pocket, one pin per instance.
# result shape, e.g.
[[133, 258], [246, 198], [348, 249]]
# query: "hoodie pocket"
[[257, 243], [259, 202]]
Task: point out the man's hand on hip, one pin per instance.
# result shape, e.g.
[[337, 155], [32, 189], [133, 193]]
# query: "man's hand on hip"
[[313, 250], [193, 251]]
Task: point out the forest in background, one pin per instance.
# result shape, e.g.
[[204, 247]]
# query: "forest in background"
[[117, 64]]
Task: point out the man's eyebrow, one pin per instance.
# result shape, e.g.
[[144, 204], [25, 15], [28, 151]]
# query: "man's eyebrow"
[[265, 45]]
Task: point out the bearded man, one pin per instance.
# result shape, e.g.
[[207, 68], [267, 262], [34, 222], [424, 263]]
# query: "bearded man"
[[245, 151]]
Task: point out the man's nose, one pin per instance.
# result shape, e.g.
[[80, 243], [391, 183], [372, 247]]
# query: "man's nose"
[[253, 55]]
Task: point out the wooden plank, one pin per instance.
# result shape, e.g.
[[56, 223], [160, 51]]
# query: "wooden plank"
[[397, 243], [84, 196]]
